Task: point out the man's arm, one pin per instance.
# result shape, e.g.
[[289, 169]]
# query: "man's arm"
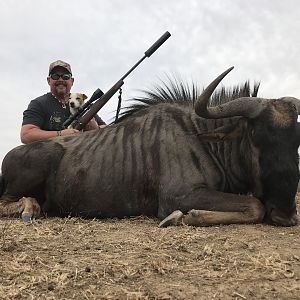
[[31, 133], [34, 117]]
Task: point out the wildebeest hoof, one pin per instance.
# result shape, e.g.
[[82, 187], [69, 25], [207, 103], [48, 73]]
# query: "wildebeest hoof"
[[172, 220], [29, 208], [26, 217]]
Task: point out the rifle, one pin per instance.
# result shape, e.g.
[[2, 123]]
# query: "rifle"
[[84, 118]]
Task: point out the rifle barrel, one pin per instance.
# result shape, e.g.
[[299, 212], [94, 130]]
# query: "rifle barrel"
[[133, 67], [157, 44], [150, 51], [104, 98]]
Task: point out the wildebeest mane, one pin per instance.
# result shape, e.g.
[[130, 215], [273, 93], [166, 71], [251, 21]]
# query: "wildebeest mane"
[[183, 93]]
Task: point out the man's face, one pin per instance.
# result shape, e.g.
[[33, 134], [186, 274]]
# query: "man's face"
[[60, 87]]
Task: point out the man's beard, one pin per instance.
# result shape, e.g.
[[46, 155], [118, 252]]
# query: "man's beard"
[[61, 90]]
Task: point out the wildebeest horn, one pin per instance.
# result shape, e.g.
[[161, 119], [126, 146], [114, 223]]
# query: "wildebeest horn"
[[238, 107], [248, 107], [201, 104]]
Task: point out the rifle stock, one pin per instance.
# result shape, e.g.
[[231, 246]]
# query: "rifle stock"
[[98, 105]]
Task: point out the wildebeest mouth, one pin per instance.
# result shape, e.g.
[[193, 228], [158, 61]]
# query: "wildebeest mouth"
[[275, 217]]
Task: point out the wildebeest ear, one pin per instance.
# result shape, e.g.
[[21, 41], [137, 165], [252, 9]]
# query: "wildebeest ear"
[[226, 132], [84, 96]]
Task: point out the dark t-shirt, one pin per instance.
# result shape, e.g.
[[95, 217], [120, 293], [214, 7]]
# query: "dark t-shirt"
[[48, 113]]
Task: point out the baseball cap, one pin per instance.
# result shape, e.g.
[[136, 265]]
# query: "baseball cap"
[[60, 63]]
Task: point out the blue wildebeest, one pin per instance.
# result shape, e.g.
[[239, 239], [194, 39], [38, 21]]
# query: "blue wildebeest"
[[184, 162]]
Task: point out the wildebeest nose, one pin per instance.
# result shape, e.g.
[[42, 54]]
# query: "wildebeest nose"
[[278, 220]]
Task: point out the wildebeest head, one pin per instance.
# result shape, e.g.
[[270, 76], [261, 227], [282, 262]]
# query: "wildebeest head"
[[274, 131]]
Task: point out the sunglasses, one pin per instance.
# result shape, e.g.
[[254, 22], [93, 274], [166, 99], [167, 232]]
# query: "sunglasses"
[[65, 76]]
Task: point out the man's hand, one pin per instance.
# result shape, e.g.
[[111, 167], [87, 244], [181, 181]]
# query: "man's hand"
[[68, 131], [92, 124]]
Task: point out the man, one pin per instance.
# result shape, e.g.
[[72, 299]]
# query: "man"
[[46, 114]]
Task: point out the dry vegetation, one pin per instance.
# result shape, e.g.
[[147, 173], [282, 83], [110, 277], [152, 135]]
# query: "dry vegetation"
[[133, 259]]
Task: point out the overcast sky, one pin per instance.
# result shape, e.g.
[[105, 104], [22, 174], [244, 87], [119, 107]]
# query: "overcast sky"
[[103, 39]]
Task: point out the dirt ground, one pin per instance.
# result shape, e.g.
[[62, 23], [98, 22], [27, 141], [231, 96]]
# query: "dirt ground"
[[132, 258]]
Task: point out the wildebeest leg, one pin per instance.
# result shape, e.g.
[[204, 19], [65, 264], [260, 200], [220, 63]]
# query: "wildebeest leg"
[[205, 218], [26, 206], [205, 208]]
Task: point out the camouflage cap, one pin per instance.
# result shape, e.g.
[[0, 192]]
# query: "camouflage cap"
[[60, 63]]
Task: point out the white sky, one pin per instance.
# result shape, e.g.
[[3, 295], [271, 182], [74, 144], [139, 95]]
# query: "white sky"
[[103, 39]]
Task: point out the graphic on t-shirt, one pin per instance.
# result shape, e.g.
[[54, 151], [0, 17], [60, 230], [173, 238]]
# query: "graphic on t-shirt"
[[56, 120]]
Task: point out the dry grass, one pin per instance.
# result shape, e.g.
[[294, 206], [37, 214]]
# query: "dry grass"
[[134, 259]]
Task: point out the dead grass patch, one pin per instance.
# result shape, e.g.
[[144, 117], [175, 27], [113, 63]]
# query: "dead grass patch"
[[73, 258]]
